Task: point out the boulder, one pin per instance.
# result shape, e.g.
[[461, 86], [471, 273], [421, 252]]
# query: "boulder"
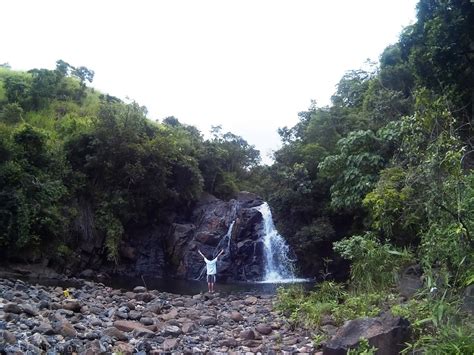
[[387, 333], [410, 281]]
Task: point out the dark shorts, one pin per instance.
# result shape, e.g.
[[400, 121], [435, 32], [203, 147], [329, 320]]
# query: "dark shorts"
[[211, 279]]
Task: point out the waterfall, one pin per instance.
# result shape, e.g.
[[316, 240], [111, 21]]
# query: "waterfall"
[[279, 267], [224, 243]]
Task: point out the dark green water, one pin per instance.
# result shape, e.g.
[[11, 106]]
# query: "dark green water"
[[192, 287], [183, 287]]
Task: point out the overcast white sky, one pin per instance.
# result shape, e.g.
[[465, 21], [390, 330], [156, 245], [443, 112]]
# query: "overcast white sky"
[[249, 65]]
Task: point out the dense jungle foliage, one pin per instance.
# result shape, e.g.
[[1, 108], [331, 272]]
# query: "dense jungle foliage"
[[381, 178], [384, 178], [69, 153]]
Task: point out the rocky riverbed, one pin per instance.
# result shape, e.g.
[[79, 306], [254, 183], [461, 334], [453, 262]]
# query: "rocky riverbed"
[[98, 319]]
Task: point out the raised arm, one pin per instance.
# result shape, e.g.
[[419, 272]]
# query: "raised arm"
[[221, 252], [199, 251]]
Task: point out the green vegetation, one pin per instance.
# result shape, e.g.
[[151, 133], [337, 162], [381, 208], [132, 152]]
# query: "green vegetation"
[[75, 160], [383, 178], [380, 179]]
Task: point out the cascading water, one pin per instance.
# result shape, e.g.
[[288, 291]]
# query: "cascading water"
[[279, 267], [224, 244]]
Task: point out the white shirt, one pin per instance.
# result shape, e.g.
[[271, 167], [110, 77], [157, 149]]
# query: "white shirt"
[[211, 266]]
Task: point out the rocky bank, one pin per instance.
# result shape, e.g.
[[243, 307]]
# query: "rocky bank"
[[97, 319]]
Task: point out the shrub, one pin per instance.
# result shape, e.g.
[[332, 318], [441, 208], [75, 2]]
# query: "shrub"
[[375, 266]]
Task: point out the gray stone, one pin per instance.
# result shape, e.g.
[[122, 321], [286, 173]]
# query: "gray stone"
[[8, 337], [122, 315], [329, 329], [139, 289], [387, 333], [28, 309], [12, 308], [229, 342], [410, 281], [468, 299], [134, 315], [147, 321], [44, 328], [208, 321], [264, 329], [171, 330], [247, 334]]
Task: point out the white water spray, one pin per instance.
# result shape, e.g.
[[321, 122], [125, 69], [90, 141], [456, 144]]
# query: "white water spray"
[[224, 244], [279, 267]]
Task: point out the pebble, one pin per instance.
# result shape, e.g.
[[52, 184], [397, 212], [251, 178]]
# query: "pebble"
[[95, 319]]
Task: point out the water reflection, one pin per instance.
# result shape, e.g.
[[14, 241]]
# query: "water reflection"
[[192, 287]]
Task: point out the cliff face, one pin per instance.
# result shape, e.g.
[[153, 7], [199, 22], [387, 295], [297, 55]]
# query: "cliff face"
[[171, 251], [234, 226]]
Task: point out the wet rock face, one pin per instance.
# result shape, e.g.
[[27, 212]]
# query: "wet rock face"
[[171, 250], [207, 231]]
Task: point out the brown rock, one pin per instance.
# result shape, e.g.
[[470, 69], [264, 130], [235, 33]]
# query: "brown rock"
[[170, 344], [236, 316], [170, 315], [71, 305], [264, 329], [123, 348], [9, 337], [145, 297], [115, 333], [67, 330], [188, 327], [250, 300], [247, 334], [129, 294], [128, 326]]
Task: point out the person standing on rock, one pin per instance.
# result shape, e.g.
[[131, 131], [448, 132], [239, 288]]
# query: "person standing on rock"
[[211, 266]]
